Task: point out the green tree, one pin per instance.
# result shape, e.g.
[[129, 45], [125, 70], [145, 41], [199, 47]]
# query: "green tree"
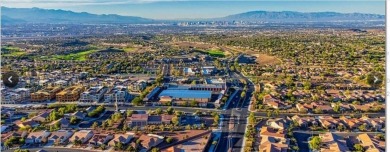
[[336, 108], [169, 140], [194, 103], [125, 127], [103, 147], [170, 110], [155, 150], [216, 119], [130, 149], [317, 110], [362, 127], [137, 101], [315, 143], [188, 127], [252, 118], [380, 136], [269, 113], [54, 115], [95, 125], [193, 82], [158, 111], [118, 146], [73, 120], [243, 94], [307, 85], [358, 148], [175, 120], [129, 113], [340, 127]]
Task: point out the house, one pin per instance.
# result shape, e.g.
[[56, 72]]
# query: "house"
[[343, 106], [363, 108], [63, 121], [329, 122], [122, 138], [79, 115], [166, 119], [41, 117], [304, 121], [60, 136], [99, 139], [24, 124], [275, 103], [172, 149], [331, 142], [154, 120], [351, 123], [324, 108], [5, 136], [370, 143], [278, 123], [82, 135], [273, 140], [37, 137], [314, 105], [90, 109], [139, 120], [301, 108], [61, 83], [157, 120], [150, 140], [377, 123]]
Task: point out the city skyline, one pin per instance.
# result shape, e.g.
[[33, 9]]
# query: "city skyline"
[[161, 9]]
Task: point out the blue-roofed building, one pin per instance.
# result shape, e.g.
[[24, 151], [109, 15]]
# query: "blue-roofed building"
[[152, 94], [183, 94]]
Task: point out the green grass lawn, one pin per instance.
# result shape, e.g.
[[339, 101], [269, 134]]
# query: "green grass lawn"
[[129, 49], [216, 53], [12, 51], [80, 56]]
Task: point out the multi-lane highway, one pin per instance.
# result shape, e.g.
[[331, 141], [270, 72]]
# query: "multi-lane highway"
[[234, 124]]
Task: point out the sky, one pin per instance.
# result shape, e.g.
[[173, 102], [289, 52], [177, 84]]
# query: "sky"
[[195, 9]]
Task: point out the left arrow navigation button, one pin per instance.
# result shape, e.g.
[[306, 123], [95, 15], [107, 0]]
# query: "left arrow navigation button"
[[10, 79]]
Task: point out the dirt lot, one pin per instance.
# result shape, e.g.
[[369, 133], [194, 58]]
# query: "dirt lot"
[[264, 59]]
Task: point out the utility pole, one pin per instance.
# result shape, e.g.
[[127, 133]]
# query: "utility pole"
[[116, 101]]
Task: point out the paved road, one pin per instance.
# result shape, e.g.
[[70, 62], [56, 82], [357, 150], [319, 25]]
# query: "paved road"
[[53, 150], [232, 137], [193, 109], [242, 114]]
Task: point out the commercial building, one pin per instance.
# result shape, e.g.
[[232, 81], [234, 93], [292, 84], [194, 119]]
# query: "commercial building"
[[48, 93], [138, 86], [93, 94], [70, 94], [208, 70], [183, 94], [117, 94]]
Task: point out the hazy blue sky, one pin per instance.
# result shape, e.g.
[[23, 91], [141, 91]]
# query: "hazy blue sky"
[[174, 9]]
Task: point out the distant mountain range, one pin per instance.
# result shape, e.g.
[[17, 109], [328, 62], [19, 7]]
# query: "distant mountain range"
[[37, 15], [289, 16]]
